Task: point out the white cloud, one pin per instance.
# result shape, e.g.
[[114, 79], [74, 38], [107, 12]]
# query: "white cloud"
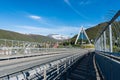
[[63, 30], [67, 1], [74, 9], [40, 19], [84, 3], [34, 17]]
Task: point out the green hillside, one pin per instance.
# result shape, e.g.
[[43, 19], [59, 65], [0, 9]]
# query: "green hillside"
[[4, 34], [92, 32]]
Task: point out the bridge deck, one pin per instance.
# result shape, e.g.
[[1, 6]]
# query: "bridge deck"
[[70, 65], [12, 66]]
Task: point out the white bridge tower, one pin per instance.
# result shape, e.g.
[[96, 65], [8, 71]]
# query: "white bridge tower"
[[82, 32]]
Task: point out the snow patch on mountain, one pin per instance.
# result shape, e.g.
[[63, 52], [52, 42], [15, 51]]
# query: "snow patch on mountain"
[[58, 36]]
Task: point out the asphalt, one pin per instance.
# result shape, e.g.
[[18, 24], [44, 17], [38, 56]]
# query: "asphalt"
[[15, 65]]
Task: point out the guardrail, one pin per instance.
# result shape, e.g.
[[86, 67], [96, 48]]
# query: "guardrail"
[[47, 71], [107, 46], [19, 50], [38, 52], [109, 65], [9, 47], [109, 38]]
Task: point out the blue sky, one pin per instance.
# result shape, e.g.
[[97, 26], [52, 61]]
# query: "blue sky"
[[54, 16]]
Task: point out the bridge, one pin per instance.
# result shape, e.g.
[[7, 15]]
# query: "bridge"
[[23, 60]]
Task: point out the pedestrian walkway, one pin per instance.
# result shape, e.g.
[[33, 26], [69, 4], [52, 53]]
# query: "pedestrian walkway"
[[83, 70]]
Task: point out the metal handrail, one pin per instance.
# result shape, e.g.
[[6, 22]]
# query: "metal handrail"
[[109, 55]]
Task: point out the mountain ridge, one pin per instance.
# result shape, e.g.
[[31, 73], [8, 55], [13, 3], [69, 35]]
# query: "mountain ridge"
[[5, 34]]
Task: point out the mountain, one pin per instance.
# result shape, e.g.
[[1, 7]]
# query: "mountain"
[[58, 36], [92, 32], [4, 34]]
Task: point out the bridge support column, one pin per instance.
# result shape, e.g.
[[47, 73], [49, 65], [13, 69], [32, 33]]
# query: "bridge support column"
[[69, 62], [65, 65], [57, 68], [110, 34], [100, 43], [45, 77], [104, 40]]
